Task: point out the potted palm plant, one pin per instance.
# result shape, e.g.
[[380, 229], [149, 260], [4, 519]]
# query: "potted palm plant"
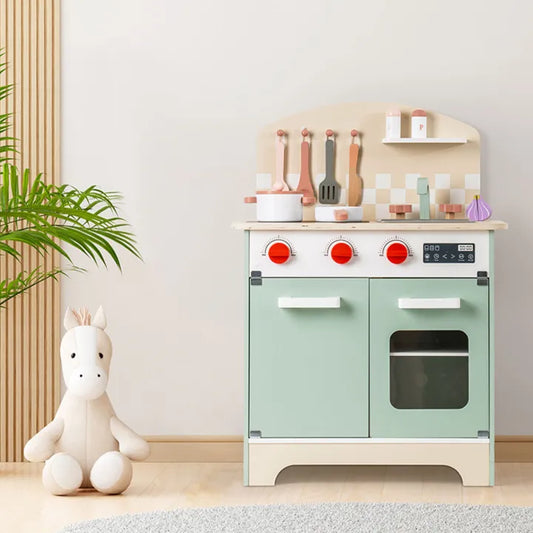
[[48, 217]]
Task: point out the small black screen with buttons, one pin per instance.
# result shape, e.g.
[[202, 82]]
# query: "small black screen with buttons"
[[449, 253]]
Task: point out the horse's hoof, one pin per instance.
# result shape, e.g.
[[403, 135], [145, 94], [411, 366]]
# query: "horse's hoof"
[[111, 473], [62, 474]]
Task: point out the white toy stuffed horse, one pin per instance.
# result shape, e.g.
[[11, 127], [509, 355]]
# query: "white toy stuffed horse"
[[86, 445]]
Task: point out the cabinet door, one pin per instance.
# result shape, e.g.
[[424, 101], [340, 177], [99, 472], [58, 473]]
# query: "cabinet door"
[[309, 358], [429, 358]]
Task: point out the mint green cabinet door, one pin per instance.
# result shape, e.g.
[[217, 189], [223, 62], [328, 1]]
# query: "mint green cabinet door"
[[308, 367], [429, 358]]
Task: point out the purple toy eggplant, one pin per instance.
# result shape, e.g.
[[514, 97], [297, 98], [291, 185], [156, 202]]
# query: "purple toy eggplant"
[[478, 210]]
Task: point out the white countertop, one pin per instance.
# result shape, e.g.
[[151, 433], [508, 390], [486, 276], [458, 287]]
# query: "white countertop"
[[487, 225]]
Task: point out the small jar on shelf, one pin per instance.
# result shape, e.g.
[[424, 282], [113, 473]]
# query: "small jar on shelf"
[[393, 124], [419, 124]]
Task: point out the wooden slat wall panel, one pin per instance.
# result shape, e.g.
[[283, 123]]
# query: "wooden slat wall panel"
[[30, 324]]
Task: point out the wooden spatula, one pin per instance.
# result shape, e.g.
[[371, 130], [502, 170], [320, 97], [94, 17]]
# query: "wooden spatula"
[[329, 189], [354, 181], [304, 185]]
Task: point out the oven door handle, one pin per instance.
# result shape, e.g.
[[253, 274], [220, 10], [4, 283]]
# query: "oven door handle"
[[287, 302], [429, 303]]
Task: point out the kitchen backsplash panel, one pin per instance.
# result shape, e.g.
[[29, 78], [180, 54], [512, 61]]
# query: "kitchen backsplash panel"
[[389, 171]]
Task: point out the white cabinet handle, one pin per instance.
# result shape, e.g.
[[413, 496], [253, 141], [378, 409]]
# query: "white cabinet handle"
[[429, 303], [286, 302]]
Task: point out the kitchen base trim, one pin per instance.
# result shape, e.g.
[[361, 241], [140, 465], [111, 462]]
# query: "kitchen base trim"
[[470, 459], [366, 440]]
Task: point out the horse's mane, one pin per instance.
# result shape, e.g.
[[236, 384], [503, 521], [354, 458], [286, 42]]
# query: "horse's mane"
[[82, 316]]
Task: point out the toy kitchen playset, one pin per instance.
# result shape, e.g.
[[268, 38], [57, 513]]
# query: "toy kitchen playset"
[[370, 335]]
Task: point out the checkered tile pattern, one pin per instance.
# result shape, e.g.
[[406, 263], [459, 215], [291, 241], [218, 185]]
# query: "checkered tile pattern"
[[443, 189], [395, 189]]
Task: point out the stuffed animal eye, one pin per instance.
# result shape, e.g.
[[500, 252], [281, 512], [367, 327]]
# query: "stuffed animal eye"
[[101, 355], [72, 355]]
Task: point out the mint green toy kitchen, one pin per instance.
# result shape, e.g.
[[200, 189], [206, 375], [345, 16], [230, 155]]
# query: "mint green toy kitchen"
[[371, 342]]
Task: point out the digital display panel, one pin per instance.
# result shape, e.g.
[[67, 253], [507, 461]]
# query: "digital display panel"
[[449, 253]]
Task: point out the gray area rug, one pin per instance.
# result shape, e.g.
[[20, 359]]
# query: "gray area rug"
[[321, 518]]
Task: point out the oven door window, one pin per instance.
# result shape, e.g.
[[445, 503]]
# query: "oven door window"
[[429, 369]]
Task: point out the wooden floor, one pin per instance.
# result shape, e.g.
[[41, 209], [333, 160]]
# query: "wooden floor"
[[26, 507]]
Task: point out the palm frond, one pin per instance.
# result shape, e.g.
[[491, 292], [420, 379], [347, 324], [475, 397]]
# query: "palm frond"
[[48, 217], [9, 288]]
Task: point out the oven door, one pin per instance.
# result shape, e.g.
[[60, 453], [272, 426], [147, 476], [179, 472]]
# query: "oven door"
[[308, 351], [429, 358]]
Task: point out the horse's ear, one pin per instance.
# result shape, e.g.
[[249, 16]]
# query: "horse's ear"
[[99, 319], [71, 320]]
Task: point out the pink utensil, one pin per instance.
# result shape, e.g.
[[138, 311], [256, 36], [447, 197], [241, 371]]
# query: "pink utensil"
[[354, 181], [304, 185], [279, 184], [478, 209]]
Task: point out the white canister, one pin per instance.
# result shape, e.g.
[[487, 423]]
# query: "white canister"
[[419, 124], [278, 206], [393, 125]]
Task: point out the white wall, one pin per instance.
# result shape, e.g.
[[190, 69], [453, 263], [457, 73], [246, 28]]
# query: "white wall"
[[162, 100]]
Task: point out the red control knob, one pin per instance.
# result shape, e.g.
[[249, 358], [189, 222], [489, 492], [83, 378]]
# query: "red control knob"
[[279, 253], [397, 252], [341, 253]]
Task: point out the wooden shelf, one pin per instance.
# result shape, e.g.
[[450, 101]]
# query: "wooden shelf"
[[427, 140]]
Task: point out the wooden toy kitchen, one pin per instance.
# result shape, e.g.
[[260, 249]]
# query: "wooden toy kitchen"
[[369, 326]]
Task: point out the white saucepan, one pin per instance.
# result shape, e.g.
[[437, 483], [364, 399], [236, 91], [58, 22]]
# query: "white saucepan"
[[278, 206]]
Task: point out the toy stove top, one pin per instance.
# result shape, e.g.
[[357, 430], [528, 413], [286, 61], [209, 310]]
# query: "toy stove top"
[[418, 254]]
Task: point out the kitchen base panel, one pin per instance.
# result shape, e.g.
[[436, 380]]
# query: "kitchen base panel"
[[469, 457]]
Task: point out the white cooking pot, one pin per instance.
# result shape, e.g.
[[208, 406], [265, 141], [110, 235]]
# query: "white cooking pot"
[[278, 206]]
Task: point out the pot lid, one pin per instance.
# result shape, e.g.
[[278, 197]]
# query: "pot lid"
[[279, 192]]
